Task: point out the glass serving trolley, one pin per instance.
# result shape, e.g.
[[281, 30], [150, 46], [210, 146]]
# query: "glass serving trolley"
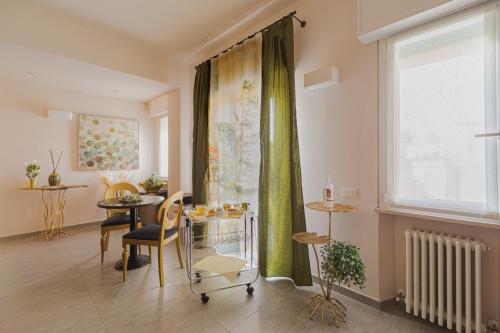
[[221, 250]]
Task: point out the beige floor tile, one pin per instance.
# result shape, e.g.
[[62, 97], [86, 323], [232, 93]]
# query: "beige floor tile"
[[61, 286]]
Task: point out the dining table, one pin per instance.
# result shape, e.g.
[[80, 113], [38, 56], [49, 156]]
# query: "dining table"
[[134, 260]]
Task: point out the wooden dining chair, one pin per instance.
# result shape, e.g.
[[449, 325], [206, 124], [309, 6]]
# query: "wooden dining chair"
[[157, 235], [117, 218]]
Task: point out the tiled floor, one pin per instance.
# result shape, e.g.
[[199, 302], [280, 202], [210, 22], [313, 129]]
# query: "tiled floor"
[[61, 286]]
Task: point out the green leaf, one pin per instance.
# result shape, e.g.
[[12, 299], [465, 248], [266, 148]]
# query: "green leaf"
[[342, 264]]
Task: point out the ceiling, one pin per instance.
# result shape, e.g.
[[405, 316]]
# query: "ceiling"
[[38, 67], [176, 26], [179, 29]]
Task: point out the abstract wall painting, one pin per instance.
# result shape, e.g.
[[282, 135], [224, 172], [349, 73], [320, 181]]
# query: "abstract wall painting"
[[106, 143]]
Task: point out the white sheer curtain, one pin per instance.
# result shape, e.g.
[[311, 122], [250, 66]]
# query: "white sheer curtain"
[[234, 125], [442, 90]]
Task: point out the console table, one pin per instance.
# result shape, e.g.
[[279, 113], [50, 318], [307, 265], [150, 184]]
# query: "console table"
[[53, 208]]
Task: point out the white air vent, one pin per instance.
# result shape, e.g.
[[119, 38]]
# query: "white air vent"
[[59, 115], [322, 78]]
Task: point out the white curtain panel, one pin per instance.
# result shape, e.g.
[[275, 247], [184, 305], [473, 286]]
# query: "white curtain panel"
[[234, 125]]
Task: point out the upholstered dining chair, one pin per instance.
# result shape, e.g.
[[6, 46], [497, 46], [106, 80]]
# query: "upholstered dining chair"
[[157, 235], [117, 218]]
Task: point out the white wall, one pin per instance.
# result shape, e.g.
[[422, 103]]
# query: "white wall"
[[174, 129], [379, 13], [26, 134], [186, 127]]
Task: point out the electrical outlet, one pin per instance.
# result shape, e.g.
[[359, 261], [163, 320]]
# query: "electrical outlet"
[[349, 192]]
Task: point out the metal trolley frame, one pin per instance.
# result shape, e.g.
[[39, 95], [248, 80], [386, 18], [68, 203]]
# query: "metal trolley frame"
[[215, 242]]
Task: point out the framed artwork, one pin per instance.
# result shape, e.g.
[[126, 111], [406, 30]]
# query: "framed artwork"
[[107, 143]]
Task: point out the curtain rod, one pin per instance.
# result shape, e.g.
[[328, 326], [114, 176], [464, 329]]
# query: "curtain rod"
[[292, 14]]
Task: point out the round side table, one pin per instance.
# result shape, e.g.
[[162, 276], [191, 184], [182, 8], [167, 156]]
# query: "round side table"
[[337, 208]]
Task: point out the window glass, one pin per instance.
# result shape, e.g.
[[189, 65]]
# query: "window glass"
[[442, 93]]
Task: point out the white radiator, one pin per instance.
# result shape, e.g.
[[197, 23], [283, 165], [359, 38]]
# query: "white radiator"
[[443, 279]]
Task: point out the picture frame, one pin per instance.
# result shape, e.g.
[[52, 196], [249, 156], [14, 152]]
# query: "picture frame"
[[107, 143]]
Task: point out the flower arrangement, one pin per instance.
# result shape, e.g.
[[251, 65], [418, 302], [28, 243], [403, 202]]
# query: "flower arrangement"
[[342, 264], [32, 171], [131, 198], [152, 184]]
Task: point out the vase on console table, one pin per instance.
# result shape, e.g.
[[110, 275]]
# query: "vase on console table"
[[54, 177]]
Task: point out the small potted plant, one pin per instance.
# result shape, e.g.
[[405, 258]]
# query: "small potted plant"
[[342, 265], [152, 184], [54, 177], [32, 171]]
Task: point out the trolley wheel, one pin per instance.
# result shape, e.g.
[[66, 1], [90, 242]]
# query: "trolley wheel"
[[204, 298], [198, 277], [250, 289]]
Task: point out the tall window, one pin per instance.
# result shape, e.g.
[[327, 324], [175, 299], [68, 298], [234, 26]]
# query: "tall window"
[[441, 91], [163, 146]]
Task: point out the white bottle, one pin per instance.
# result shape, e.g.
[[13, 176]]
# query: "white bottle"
[[328, 194]]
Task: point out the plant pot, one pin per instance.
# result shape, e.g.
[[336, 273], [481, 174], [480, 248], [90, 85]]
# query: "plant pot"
[[54, 179], [31, 182], [150, 188]]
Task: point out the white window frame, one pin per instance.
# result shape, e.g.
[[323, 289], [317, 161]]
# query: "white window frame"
[[387, 116]]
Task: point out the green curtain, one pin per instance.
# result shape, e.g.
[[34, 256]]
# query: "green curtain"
[[201, 97], [281, 206]]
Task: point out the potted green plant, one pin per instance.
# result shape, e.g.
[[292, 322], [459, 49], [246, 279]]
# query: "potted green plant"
[[152, 184], [341, 264], [32, 171], [54, 177]]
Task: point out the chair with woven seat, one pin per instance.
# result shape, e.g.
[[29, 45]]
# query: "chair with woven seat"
[[157, 235], [117, 218]]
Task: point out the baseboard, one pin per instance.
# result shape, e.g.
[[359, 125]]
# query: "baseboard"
[[36, 233], [380, 305]]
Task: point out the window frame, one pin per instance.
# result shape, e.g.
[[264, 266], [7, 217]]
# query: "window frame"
[[387, 120]]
